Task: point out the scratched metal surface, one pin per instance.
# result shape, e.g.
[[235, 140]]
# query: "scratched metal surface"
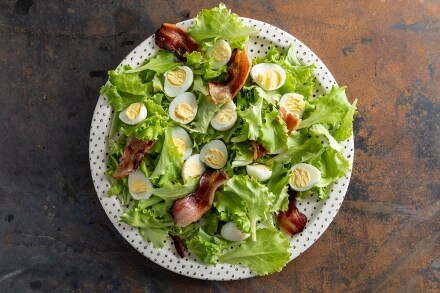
[[54, 235]]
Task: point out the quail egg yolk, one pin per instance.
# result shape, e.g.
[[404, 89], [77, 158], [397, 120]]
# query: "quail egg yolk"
[[138, 186], [180, 144], [220, 53], [294, 104], [215, 157], [269, 79], [176, 77], [184, 112], [133, 110], [300, 177], [193, 170], [224, 115]]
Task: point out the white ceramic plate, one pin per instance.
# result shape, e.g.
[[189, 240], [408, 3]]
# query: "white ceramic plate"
[[319, 214]]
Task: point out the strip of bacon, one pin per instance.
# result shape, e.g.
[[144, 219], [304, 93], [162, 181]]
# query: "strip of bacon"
[[178, 244], [239, 67], [175, 39], [134, 152], [292, 221], [292, 121], [189, 209], [259, 149]]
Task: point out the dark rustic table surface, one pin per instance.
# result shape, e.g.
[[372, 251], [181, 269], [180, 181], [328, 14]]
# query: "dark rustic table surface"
[[54, 57]]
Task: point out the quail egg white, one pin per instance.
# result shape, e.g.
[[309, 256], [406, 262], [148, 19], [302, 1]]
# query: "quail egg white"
[[293, 103], [139, 186], [220, 52], [225, 117], [259, 171], [183, 108], [214, 154], [178, 80], [192, 168], [230, 232], [304, 176], [269, 76], [133, 114], [182, 141]]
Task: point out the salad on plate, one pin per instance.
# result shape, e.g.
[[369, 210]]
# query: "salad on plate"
[[213, 149]]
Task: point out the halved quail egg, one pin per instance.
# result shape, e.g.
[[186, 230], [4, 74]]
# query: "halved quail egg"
[[220, 52], [225, 117], [182, 141], [259, 171], [294, 103], [230, 232], [193, 168], [139, 186], [133, 114], [178, 80], [183, 108], [269, 76], [214, 154], [304, 176]]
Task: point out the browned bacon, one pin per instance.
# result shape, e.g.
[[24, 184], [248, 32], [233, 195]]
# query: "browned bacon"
[[134, 152], [189, 209], [175, 39], [259, 149], [238, 70], [292, 121], [292, 221], [178, 244]]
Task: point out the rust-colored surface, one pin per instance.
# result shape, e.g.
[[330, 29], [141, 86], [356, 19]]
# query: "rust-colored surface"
[[54, 235]]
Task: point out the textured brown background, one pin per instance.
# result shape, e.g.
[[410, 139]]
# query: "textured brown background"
[[54, 235]]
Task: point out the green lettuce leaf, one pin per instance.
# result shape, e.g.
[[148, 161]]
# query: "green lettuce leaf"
[[206, 247], [332, 164], [129, 83], [330, 109], [170, 162], [153, 226], [278, 185], [220, 23], [346, 128], [177, 190], [299, 153], [321, 130], [164, 61], [150, 129], [267, 255], [256, 196]]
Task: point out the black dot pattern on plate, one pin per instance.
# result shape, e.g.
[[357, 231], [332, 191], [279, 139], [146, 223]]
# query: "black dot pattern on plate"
[[319, 213]]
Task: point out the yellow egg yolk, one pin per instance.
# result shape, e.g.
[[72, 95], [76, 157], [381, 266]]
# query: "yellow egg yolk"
[[215, 157], [184, 112], [224, 115], [294, 104], [300, 177], [133, 110], [193, 170], [269, 79], [180, 144], [220, 53], [176, 76], [138, 186]]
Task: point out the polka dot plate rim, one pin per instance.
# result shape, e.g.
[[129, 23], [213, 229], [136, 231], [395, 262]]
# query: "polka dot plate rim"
[[319, 213]]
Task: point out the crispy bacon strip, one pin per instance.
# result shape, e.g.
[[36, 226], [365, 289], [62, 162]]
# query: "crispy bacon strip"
[[134, 152], [259, 149], [189, 209], [292, 221], [292, 121], [175, 39], [178, 244], [239, 67]]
